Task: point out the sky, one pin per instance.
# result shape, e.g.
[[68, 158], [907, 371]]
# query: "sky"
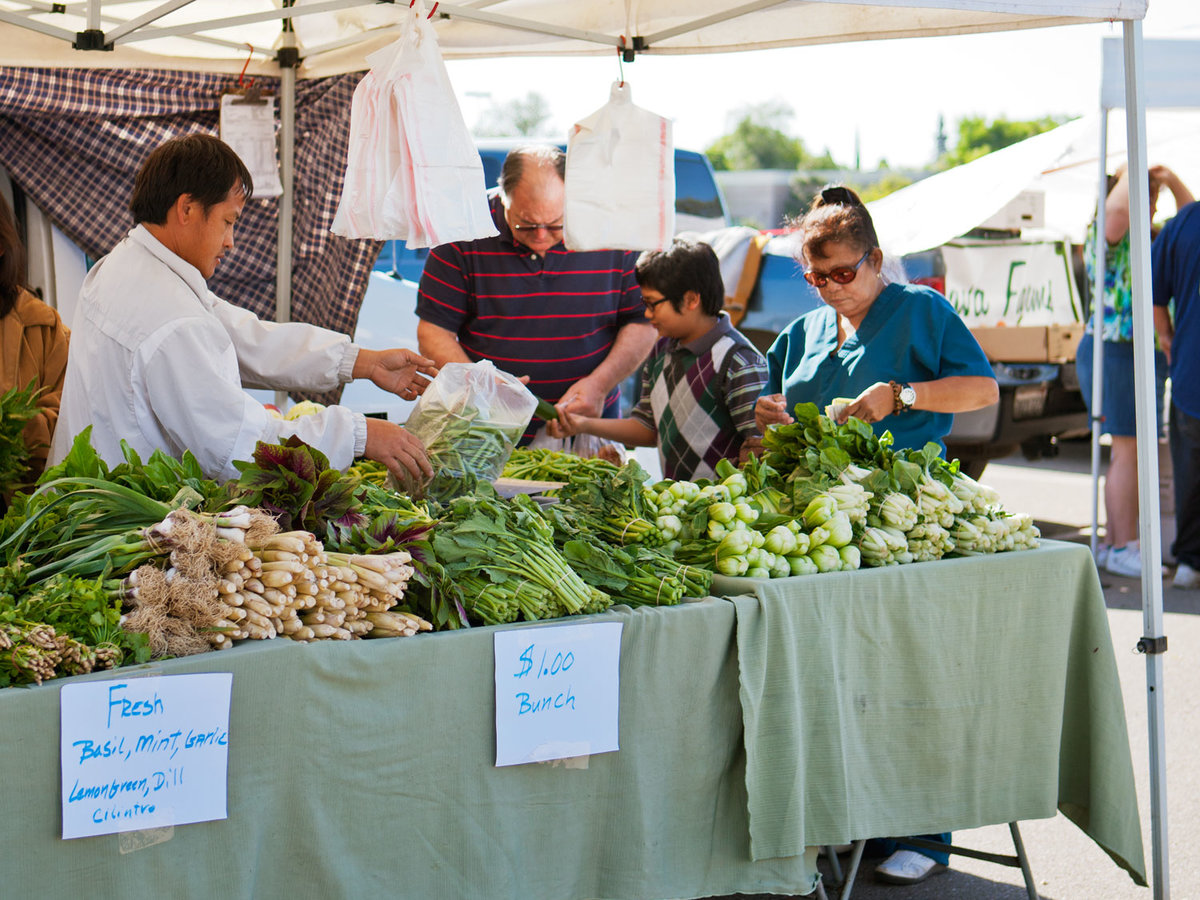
[[882, 96]]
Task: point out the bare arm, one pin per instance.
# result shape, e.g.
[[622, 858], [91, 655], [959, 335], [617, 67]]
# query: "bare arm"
[[631, 347], [958, 393], [402, 453], [1116, 210], [1164, 177], [629, 432], [1164, 329], [439, 344], [398, 370]]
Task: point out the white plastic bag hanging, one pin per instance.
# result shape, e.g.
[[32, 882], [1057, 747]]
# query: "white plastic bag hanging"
[[413, 172], [620, 181]]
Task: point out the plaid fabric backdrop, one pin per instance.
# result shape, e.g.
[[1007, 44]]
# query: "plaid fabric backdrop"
[[73, 139]]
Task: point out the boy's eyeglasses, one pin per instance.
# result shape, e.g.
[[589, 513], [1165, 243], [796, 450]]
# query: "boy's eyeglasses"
[[840, 275], [653, 304]]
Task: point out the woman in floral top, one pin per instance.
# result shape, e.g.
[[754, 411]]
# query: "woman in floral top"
[[1120, 554]]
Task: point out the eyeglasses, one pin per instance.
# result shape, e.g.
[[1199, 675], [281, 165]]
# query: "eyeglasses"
[[528, 229], [653, 304], [840, 275]]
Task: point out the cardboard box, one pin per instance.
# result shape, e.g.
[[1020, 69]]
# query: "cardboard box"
[[1038, 343], [1061, 341]]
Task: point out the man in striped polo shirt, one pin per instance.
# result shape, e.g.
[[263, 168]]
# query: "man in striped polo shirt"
[[572, 322]]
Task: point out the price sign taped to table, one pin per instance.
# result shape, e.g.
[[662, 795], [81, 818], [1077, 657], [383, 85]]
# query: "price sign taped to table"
[[144, 752], [557, 691]]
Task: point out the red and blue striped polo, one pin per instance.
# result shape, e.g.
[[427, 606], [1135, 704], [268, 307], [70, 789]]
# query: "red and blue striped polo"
[[553, 318]]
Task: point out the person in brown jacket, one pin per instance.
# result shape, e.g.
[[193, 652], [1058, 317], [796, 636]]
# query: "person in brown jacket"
[[33, 342]]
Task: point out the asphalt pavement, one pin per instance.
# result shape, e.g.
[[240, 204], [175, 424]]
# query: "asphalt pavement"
[[1066, 864]]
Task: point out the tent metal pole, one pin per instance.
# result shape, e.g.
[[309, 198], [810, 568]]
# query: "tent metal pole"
[[1153, 643], [287, 157], [1098, 273]]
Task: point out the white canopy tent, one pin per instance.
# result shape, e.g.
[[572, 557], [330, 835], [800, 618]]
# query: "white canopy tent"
[[1059, 164], [312, 38]]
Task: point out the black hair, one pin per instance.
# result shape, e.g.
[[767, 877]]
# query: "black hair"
[[837, 214], [198, 165], [533, 154], [682, 267], [12, 259]]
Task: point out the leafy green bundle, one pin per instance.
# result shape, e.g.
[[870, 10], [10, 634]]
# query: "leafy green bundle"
[[17, 407], [490, 549], [293, 482], [87, 522], [60, 626], [612, 505], [542, 464]]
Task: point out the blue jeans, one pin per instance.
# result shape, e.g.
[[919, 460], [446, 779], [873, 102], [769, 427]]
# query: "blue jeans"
[[1117, 405], [1185, 460]]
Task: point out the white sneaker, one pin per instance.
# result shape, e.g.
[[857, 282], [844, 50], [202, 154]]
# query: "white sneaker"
[[1102, 551], [1125, 561], [1186, 577], [907, 867]]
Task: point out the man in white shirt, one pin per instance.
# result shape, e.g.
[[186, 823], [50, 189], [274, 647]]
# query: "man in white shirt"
[[160, 361]]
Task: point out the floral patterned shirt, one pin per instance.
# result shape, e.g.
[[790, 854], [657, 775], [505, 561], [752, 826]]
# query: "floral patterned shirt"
[[1117, 316]]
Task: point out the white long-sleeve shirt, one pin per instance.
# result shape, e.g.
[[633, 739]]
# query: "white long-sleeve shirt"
[[160, 361]]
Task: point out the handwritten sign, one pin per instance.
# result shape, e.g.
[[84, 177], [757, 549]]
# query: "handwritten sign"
[[144, 752], [557, 691], [1011, 283]]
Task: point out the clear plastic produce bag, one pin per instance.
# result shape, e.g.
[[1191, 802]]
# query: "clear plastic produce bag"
[[470, 418]]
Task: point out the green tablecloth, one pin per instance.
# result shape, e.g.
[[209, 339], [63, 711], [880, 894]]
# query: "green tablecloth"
[[935, 697], [365, 769]]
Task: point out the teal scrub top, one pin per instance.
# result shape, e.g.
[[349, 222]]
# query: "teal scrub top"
[[910, 334]]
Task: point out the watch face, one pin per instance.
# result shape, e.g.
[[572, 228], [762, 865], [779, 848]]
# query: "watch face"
[[908, 395]]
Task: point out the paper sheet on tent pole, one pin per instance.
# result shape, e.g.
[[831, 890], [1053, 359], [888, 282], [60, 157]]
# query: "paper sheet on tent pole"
[[412, 173], [620, 184]]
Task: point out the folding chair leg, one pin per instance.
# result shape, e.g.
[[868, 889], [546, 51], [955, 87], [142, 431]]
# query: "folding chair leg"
[[1019, 846], [852, 872], [835, 864], [821, 895]]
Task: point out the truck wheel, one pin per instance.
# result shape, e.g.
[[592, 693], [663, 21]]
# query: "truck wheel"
[[1040, 447]]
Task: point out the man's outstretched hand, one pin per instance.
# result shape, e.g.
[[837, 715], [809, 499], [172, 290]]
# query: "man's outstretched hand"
[[402, 372]]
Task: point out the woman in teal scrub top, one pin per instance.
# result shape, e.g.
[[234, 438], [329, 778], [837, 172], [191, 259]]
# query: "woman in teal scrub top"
[[899, 351]]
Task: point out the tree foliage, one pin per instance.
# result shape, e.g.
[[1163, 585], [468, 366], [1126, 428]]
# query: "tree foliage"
[[884, 186], [759, 141], [525, 116], [978, 137]]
